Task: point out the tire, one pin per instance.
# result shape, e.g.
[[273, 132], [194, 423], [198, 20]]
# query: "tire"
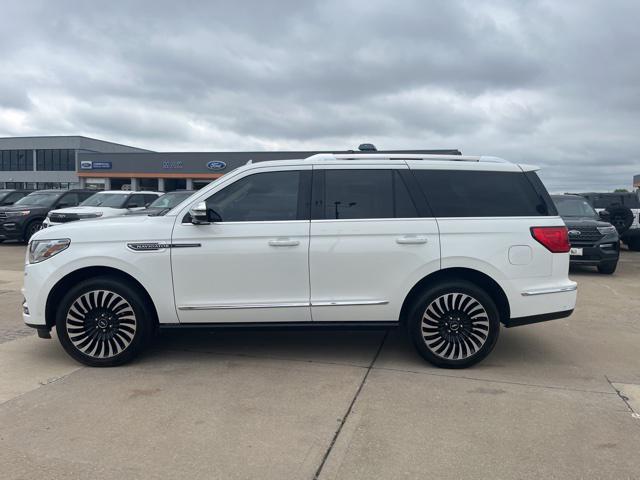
[[454, 324], [620, 217], [112, 305], [32, 227], [607, 268]]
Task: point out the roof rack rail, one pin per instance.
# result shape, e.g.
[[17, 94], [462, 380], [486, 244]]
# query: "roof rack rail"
[[404, 156]]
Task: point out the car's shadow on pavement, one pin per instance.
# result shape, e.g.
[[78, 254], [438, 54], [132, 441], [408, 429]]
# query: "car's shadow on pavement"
[[391, 348], [340, 347]]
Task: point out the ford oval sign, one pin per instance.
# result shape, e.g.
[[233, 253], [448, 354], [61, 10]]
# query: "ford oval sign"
[[216, 165]]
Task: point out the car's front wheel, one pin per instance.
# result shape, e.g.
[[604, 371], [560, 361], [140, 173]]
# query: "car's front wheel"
[[103, 321], [454, 324], [31, 229]]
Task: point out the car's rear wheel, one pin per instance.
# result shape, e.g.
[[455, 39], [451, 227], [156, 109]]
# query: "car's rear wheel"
[[103, 322], [454, 324]]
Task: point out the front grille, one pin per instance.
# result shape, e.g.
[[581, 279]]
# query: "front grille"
[[3, 215], [63, 218], [588, 236]]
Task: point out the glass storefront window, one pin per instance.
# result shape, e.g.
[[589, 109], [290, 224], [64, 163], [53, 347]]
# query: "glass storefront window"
[[16, 160], [56, 160]]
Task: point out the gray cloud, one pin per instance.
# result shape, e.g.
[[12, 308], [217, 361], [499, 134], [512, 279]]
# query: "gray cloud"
[[549, 83]]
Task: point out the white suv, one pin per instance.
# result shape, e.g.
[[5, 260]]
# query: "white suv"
[[109, 203], [449, 247]]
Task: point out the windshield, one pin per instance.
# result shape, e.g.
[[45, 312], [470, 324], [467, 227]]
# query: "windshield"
[[104, 199], [38, 199], [574, 207], [170, 200]]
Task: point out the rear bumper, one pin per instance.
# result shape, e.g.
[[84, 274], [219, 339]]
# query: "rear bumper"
[[516, 322]]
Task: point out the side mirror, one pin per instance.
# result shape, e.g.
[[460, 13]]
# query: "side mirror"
[[200, 216]]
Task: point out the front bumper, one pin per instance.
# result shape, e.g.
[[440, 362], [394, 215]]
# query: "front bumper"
[[12, 229], [606, 251]]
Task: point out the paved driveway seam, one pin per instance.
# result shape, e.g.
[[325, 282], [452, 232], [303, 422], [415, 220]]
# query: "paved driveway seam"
[[353, 401]]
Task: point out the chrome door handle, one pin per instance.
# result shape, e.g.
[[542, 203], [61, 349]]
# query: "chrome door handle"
[[284, 242], [411, 240]]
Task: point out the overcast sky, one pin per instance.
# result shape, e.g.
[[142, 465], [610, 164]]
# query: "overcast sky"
[[553, 83]]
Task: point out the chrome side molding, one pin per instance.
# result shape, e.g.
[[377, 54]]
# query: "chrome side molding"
[[349, 303], [229, 306], [546, 291]]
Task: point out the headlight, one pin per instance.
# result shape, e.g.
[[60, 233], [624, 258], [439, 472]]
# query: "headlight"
[[607, 230], [21, 213], [40, 250], [90, 215]]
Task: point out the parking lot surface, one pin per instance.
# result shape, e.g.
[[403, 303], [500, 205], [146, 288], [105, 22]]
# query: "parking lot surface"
[[554, 400]]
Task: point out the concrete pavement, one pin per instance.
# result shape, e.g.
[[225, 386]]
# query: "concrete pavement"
[[554, 400]]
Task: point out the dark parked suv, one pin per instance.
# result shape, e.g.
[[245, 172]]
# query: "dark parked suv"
[[25, 217], [593, 241], [9, 197]]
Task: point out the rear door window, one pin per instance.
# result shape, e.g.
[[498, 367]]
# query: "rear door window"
[[355, 194], [469, 193]]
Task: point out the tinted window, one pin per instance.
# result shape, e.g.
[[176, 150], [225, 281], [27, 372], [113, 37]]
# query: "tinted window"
[[136, 200], [604, 201], [104, 199], [574, 207], [480, 194], [55, 160], [170, 200], [39, 199], [266, 196], [70, 199], [351, 194], [84, 195], [148, 198], [631, 200]]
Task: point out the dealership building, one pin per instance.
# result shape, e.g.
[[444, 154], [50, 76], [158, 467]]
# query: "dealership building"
[[73, 162], [49, 162]]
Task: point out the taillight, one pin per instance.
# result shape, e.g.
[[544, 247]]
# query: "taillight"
[[554, 239]]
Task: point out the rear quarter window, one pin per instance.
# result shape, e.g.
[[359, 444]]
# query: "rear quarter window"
[[467, 193]]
